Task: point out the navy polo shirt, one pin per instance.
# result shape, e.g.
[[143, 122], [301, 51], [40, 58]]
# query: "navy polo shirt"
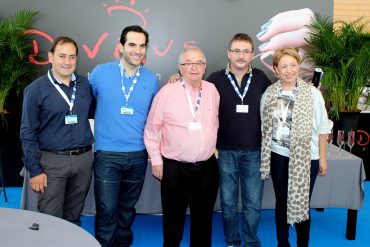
[[43, 120]]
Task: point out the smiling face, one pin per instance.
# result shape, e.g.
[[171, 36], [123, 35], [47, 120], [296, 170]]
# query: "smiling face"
[[134, 49], [287, 69], [63, 61], [193, 66], [240, 55]]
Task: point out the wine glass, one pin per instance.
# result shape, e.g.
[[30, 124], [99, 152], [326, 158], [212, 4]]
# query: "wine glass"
[[351, 140], [340, 138]]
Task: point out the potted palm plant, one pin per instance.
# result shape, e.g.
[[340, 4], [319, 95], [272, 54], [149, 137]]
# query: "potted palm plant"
[[342, 50], [15, 47]]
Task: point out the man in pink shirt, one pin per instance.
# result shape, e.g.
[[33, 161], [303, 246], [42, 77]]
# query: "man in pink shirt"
[[180, 136]]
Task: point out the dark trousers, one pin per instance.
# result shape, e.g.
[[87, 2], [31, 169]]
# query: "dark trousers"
[[119, 178], [279, 175], [68, 183], [193, 185]]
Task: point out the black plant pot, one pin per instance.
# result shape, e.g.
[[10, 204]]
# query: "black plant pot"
[[347, 121]]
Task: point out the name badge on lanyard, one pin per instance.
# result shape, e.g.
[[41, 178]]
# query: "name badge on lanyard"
[[241, 108], [71, 118], [126, 109], [195, 126]]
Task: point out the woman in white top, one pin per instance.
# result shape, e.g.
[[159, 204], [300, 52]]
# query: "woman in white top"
[[294, 131]]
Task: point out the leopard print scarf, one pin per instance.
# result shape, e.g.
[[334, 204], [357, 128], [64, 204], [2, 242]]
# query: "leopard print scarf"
[[300, 148]]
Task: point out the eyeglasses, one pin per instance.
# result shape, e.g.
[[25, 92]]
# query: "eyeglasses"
[[239, 52], [190, 65]]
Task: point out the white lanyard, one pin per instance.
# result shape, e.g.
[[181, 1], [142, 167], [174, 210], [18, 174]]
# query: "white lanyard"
[[237, 89], [190, 102], [134, 81], [71, 102]]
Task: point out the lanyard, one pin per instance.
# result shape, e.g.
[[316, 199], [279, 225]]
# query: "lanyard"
[[284, 112], [237, 89], [134, 81], [73, 97], [193, 109]]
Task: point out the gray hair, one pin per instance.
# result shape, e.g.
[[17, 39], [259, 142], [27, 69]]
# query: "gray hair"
[[192, 48]]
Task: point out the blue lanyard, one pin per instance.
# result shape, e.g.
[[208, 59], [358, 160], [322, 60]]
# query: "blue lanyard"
[[195, 109], [71, 102], [294, 92], [134, 81], [236, 87]]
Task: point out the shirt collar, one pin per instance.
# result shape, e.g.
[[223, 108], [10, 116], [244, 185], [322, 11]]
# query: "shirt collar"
[[122, 68], [190, 88], [228, 69], [73, 78]]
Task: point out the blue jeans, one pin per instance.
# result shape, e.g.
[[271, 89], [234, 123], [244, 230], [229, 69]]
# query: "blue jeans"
[[240, 166], [119, 178]]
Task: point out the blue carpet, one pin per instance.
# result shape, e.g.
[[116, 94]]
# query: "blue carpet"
[[328, 228]]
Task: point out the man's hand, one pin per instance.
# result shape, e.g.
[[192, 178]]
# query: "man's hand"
[[157, 171], [39, 183], [174, 78]]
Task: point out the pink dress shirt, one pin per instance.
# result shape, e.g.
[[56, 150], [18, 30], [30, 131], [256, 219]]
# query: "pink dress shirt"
[[166, 131]]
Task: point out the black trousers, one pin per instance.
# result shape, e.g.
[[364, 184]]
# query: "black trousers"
[[193, 185], [279, 175]]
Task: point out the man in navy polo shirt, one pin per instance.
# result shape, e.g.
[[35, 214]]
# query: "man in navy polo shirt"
[[56, 136]]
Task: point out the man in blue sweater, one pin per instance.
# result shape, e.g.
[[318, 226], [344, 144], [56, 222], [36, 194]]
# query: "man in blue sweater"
[[124, 91]]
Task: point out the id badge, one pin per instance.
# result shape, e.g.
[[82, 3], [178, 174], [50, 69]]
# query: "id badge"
[[70, 119], [126, 110], [195, 126], [242, 108], [282, 132]]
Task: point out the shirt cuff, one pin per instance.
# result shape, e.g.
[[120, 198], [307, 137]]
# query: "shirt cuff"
[[35, 171], [157, 160]]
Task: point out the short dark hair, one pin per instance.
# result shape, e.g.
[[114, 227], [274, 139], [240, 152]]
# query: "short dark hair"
[[241, 37], [136, 29], [62, 40]]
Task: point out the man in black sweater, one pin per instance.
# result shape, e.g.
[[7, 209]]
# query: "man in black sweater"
[[239, 141]]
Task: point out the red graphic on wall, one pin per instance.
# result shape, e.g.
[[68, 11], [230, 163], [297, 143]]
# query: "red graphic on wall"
[[164, 52], [92, 49], [36, 47], [364, 138], [92, 53]]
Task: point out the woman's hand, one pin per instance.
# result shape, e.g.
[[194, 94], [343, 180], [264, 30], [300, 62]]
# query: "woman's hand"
[[323, 167]]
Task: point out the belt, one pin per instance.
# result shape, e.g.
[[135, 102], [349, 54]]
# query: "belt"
[[73, 152]]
